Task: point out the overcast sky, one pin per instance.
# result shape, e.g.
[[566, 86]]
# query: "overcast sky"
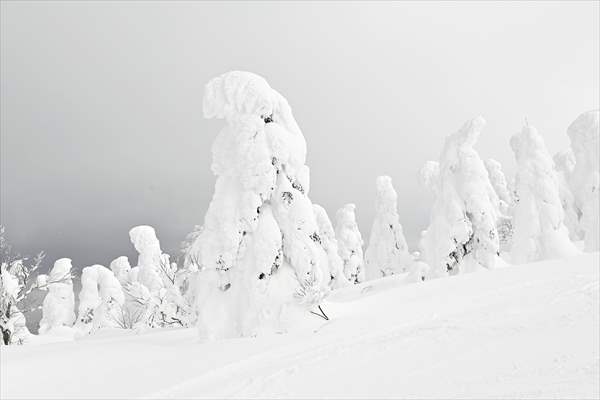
[[102, 125]]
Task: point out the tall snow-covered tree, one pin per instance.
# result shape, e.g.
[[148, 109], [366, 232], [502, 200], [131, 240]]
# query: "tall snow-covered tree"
[[462, 233], [585, 179], [387, 252], [258, 252], [539, 230], [564, 163], [58, 308], [350, 244]]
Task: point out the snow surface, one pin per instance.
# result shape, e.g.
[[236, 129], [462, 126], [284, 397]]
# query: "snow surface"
[[527, 331]]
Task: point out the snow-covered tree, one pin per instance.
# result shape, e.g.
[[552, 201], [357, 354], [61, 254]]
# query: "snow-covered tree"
[[151, 260], [153, 288], [462, 231], [122, 269], [539, 230], [506, 202], [259, 244], [387, 253], [58, 308], [16, 285], [585, 179], [564, 163], [100, 300], [330, 245], [350, 244]]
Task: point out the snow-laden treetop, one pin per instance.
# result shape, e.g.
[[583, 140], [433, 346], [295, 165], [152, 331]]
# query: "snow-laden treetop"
[[387, 198], [144, 238], [238, 93], [584, 133], [529, 143]]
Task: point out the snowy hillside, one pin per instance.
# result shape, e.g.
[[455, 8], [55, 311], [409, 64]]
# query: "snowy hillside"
[[516, 332]]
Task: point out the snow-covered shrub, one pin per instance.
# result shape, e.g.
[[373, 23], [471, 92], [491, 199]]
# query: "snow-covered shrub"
[[506, 202], [260, 238], [330, 245], [58, 308], [16, 285], [564, 163], [350, 244], [539, 230], [462, 233], [585, 179], [100, 300], [387, 253]]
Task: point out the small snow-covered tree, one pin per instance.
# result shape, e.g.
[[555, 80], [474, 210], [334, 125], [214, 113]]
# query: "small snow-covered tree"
[[350, 244], [100, 300], [260, 242], [462, 231], [500, 185], [564, 163], [151, 259], [585, 179], [16, 285], [329, 243], [122, 269], [539, 230], [387, 253], [506, 202], [58, 308], [153, 296]]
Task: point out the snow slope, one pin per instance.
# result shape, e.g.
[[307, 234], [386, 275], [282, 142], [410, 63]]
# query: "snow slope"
[[528, 331]]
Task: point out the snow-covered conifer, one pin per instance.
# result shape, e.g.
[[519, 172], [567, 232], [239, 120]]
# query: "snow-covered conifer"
[[100, 300], [122, 269], [260, 235], [539, 230], [350, 244], [16, 285], [585, 179], [330, 245], [153, 297], [58, 308], [564, 163], [506, 202], [151, 259], [387, 253], [462, 232]]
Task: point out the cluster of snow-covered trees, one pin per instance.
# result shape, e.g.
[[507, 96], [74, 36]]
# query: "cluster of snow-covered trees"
[[155, 293], [266, 255]]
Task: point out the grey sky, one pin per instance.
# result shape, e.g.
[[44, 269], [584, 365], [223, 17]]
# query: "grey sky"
[[101, 122]]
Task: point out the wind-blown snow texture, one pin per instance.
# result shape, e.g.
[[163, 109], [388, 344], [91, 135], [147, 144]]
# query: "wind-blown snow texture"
[[528, 331]]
